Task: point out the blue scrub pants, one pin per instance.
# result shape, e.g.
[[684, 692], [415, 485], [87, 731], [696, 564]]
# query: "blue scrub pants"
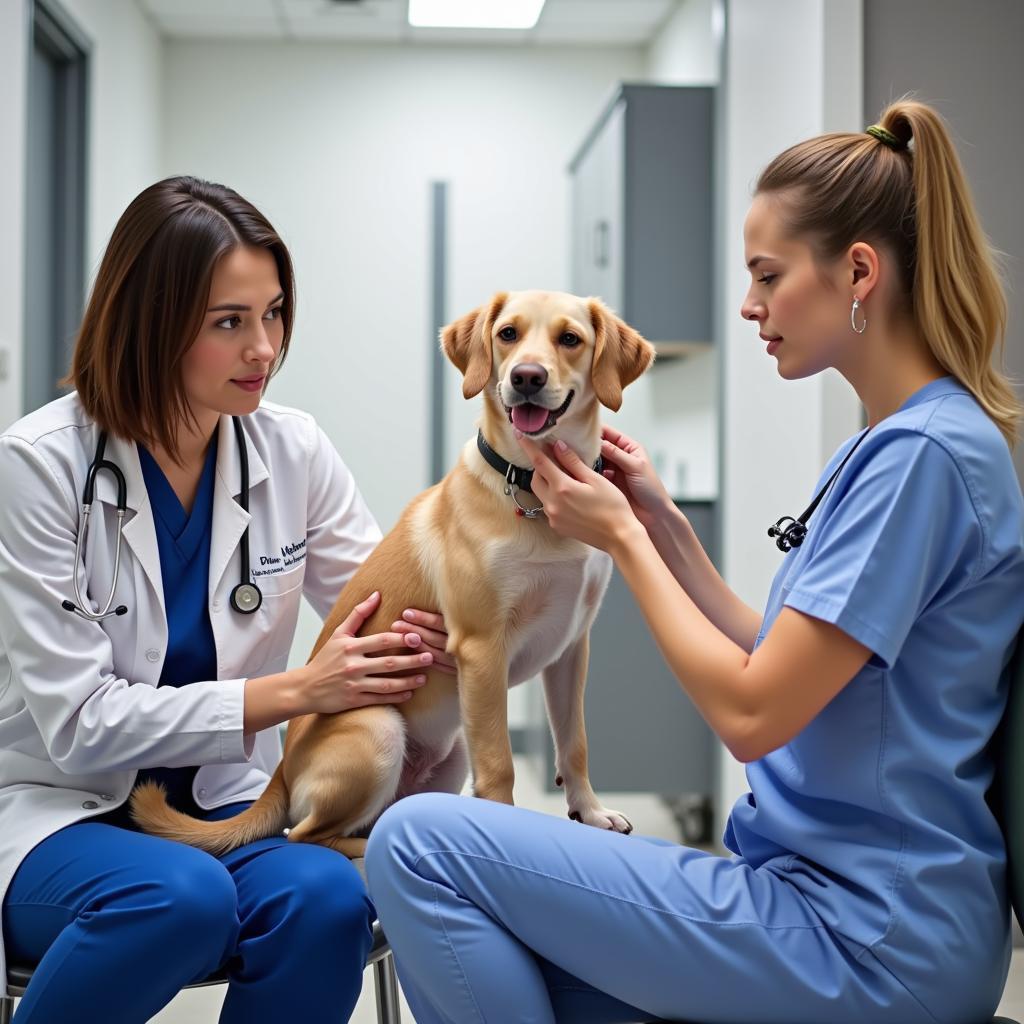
[[120, 921], [498, 914]]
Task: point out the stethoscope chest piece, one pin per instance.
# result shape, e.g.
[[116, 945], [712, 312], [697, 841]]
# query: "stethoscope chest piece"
[[788, 537], [789, 533], [246, 598]]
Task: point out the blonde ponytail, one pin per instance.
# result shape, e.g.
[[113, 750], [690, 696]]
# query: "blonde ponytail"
[[958, 298], [901, 184]]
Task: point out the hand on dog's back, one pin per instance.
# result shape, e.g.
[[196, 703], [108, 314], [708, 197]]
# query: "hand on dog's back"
[[349, 671]]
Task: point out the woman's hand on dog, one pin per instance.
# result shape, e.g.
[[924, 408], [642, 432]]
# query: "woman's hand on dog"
[[350, 671], [430, 628], [629, 467], [578, 502]]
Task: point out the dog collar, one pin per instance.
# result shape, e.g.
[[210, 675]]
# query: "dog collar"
[[515, 476]]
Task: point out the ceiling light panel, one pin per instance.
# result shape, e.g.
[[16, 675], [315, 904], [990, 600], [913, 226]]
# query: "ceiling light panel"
[[496, 14]]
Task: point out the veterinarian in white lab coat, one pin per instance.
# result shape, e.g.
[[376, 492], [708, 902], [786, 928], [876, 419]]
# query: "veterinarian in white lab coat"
[[190, 315], [867, 880]]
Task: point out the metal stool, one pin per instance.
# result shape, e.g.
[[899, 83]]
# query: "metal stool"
[[384, 981]]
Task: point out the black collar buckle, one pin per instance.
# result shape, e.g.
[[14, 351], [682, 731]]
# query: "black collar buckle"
[[516, 478]]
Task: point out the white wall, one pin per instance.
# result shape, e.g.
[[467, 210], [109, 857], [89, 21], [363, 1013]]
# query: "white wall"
[[673, 409], [338, 145], [14, 52], [791, 71], [123, 144], [686, 50]]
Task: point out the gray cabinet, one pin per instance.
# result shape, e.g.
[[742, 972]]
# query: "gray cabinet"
[[642, 207]]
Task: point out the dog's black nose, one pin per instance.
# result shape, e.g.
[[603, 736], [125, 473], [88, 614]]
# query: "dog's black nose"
[[529, 378]]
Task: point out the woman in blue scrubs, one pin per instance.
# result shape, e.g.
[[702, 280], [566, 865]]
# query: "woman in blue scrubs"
[[190, 317], [867, 876]]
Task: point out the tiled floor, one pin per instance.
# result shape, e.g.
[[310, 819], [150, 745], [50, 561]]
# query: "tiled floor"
[[649, 816]]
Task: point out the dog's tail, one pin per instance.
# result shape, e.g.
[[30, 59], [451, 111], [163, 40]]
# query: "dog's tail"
[[268, 816]]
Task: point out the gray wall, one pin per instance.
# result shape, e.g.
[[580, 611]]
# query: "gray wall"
[[963, 57]]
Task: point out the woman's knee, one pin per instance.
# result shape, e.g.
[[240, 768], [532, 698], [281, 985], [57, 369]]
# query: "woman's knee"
[[327, 895], [406, 828], [193, 901]]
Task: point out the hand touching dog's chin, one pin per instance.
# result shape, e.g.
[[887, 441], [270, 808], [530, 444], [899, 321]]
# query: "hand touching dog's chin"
[[582, 434]]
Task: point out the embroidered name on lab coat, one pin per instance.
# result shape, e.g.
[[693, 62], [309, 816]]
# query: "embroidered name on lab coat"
[[291, 554]]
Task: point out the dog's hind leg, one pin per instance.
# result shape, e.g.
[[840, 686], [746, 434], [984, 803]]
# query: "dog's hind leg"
[[351, 783]]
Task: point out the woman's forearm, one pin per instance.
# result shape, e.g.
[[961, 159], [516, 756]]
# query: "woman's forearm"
[[271, 700], [684, 555], [707, 662]]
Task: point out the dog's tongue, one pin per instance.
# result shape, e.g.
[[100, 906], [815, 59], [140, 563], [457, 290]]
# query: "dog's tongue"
[[529, 418]]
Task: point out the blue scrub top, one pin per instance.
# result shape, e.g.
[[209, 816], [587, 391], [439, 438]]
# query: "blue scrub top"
[[876, 811], [183, 540]]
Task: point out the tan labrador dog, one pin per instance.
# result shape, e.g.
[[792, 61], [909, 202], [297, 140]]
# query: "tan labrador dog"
[[516, 598]]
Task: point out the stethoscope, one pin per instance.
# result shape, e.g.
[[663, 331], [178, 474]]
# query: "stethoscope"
[[792, 536], [245, 597]]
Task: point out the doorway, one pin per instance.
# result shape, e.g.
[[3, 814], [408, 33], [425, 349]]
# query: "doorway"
[[55, 198]]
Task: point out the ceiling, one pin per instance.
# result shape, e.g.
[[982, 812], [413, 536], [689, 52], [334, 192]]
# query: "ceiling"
[[562, 22]]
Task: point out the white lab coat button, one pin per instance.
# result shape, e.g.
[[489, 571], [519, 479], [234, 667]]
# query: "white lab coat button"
[[202, 792], [106, 796], [152, 654], [90, 805]]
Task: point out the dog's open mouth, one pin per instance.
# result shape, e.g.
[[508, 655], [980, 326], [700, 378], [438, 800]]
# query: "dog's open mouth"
[[535, 419]]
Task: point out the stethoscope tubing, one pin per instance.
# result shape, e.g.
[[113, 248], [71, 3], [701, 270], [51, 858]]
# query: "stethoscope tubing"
[[793, 535], [99, 463], [245, 597]]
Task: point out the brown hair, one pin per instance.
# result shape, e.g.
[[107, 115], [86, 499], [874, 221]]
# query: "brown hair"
[[149, 298], [907, 192]]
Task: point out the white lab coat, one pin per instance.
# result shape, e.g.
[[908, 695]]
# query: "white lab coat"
[[80, 711]]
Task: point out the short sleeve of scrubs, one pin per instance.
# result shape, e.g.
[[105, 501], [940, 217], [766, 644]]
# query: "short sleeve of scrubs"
[[902, 532]]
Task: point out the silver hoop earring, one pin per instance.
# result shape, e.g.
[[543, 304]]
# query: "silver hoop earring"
[[853, 317]]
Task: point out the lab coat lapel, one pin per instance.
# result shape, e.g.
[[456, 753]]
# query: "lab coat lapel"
[[139, 530], [229, 518]]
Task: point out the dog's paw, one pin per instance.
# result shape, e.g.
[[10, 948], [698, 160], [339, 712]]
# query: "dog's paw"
[[601, 817]]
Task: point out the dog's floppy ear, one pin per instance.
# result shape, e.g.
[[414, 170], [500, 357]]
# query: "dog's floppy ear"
[[620, 354], [467, 343]]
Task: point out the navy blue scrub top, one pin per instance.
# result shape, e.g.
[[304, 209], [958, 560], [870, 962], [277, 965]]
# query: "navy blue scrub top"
[[183, 540]]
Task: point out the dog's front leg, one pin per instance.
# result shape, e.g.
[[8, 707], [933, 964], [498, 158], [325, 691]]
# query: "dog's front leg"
[[564, 683], [483, 699]]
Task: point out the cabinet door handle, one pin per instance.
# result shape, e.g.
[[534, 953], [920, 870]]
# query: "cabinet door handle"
[[601, 232]]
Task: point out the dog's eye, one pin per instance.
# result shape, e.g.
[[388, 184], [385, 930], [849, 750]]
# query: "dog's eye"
[[507, 334], [569, 340]]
